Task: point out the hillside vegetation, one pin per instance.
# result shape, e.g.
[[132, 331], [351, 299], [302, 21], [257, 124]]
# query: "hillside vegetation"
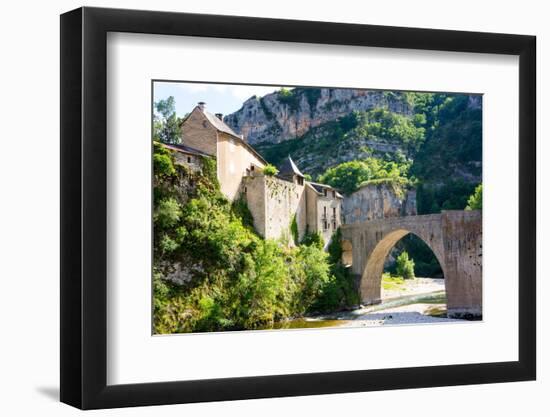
[[433, 141], [234, 279]]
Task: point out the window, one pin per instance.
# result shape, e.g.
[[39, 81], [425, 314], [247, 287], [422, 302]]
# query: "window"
[[325, 225], [300, 181], [252, 167], [325, 192], [334, 211], [188, 159], [245, 190], [334, 194]]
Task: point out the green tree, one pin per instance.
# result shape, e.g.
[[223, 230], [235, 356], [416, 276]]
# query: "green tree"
[[166, 124], [405, 266], [475, 201], [349, 176]]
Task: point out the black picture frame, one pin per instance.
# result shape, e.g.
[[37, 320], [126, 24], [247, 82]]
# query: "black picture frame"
[[84, 207]]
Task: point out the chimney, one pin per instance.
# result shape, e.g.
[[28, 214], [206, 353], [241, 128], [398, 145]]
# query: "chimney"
[[219, 116], [202, 105]]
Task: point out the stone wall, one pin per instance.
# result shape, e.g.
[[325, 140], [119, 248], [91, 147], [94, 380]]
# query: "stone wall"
[[193, 162], [378, 201], [273, 203], [284, 200], [197, 133], [234, 159], [253, 191]]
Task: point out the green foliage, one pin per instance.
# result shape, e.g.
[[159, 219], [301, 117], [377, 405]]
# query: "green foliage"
[[394, 283], [313, 239], [425, 262], [162, 161], [294, 229], [453, 139], [350, 176], [240, 210], [166, 124], [475, 201], [270, 170], [334, 248], [238, 280], [439, 144], [449, 195], [340, 290], [209, 170], [381, 123], [347, 176], [405, 266], [167, 213]]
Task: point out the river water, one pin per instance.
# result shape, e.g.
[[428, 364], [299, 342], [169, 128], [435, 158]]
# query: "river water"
[[407, 309]]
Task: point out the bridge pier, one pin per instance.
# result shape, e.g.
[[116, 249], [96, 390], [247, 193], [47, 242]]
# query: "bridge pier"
[[455, 238]]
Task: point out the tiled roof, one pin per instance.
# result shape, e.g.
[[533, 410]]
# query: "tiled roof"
[[320, 187], [184, 148], [222, 127], [289, 168], [219, 124]]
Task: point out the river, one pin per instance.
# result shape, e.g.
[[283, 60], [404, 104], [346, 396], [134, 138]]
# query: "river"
[[417, 308]]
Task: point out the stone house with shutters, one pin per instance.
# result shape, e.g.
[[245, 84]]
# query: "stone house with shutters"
[[284, 206]]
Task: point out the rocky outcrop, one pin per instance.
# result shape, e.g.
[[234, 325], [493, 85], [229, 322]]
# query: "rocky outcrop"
[[288, 114], [378, 201]]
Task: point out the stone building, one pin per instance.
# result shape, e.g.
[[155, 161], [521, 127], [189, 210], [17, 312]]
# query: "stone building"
[[185, 155], [288, 201], [284, 206], [208, 134]]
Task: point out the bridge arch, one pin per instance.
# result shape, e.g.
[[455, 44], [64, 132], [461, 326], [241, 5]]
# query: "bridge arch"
[[371, 278], [455, 238]]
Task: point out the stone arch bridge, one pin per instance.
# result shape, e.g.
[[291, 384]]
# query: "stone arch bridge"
[[453, 236]]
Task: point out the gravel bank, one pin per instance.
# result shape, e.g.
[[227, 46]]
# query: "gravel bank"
[[409, 314]]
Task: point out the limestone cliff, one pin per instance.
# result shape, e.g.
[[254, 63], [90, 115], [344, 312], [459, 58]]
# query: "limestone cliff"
[[288, 114], [378, 201]]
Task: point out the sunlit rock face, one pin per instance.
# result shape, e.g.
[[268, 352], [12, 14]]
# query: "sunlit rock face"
[[378, 201], [275, 117]]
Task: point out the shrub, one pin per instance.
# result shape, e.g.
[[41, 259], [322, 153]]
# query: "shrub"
[[294, 229], [167, 213], [270, 170], [405, 266], [475, 201], [314, 239]]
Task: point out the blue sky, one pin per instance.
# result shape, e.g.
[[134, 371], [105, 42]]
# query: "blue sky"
[[219, 98]]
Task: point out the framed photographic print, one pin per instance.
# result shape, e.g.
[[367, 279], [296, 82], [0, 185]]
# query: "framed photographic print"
[[256, 208]]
